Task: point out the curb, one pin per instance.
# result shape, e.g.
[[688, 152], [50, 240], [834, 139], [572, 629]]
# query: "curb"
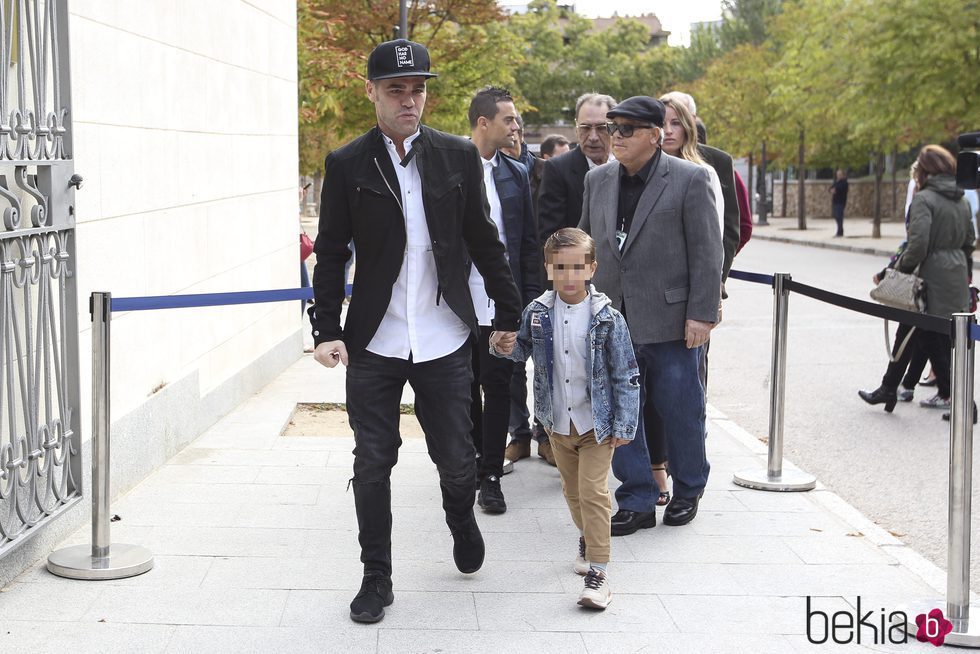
[[823, 244]]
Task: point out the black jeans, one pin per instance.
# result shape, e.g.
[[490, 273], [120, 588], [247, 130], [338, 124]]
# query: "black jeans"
[[908, 368], [442, 400], [490, 413], [520, 416]]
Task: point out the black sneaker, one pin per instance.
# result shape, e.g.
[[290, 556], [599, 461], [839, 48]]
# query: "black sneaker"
[[491, 498], [375, 594]]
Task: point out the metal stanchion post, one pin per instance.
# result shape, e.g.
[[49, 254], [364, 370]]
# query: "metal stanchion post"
[[101, 560], [965, 633], [775, 478]]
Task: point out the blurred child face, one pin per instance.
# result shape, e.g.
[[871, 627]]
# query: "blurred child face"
[[569, 269]]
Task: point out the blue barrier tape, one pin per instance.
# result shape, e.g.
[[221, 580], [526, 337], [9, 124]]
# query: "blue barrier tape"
[[211, 299], [758, 278]]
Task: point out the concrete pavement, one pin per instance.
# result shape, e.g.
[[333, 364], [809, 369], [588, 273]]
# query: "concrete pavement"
[[256, 549]]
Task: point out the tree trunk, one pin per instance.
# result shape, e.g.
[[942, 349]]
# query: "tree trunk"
[[749, 182], [764, 195], [801, 183], [317, 187], [894, 183], [879, 173], [785, 185]]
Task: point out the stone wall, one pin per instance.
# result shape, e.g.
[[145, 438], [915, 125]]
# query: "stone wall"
[[860, 198]]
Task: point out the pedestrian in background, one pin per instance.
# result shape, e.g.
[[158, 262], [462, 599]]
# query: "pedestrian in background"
[[838, 200], [939, 250]]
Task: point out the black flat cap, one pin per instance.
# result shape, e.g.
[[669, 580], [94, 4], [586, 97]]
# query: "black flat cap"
[[640, 107], [399, 58]]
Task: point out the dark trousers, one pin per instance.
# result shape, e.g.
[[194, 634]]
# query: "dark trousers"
[[442, 399], [490, 413], [907, 368], [520, 416], [838, 210], [936, 347], [668, 379]]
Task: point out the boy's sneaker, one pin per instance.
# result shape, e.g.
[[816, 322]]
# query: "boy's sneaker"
[[491, 498], [935, 402], [581, 566], [596, 593]]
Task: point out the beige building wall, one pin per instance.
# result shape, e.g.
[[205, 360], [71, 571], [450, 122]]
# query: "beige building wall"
[[185, 132]]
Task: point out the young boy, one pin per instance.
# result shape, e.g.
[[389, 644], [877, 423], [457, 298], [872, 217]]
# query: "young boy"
[[586, 393]]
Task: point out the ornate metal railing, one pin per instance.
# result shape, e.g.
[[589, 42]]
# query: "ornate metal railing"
[[40, 445]]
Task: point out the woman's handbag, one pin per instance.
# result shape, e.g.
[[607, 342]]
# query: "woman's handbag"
[[305, 246], [900, 291]]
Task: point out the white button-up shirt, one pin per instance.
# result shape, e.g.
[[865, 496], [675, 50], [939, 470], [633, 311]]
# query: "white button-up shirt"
[[414, 324], [570, 390], [482, 303]]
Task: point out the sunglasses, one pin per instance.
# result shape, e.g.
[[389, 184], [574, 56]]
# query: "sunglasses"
[[625, 130]]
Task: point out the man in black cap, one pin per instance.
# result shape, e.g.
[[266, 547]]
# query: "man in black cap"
[[412, 200], [659, 252]]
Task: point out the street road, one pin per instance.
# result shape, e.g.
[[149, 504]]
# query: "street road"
[[892, 467]]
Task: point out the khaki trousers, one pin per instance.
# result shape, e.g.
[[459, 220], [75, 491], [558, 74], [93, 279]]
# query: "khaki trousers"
[[584, 468]]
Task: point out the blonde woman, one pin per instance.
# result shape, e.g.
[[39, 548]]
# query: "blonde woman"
[[681, 140]]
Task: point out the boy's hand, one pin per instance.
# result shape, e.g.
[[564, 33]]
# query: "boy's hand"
[[617, 442], [503, 342]]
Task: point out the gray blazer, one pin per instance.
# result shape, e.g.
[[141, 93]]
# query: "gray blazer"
[[670, 268]]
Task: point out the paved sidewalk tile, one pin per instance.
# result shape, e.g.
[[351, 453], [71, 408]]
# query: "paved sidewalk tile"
[[256, 550]]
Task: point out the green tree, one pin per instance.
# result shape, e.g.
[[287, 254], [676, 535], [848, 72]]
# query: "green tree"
[[466, 41]]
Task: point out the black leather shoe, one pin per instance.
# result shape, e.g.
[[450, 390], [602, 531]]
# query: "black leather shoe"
[[468, 547], [491, 498], [627, 522], [370, 602], [681, 511], [881, 395]]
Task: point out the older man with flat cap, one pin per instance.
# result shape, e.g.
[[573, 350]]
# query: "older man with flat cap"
[[412, 199], [660, 258]]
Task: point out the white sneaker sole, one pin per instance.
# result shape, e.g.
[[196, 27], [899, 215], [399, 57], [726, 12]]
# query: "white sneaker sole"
[[591, 603]]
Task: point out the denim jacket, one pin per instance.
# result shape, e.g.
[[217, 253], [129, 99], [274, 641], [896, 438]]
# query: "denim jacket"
[[614, 390]]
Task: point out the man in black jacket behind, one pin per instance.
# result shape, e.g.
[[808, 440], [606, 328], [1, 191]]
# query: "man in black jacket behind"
[[412, 200]]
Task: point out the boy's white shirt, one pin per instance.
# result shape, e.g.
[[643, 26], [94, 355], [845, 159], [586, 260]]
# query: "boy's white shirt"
[[570, 401]]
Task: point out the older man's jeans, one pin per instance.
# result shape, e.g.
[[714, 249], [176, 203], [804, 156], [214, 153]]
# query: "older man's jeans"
[[669, 379], [442, 406]]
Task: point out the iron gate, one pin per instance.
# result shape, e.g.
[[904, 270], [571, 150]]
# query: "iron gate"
[[40, 444]]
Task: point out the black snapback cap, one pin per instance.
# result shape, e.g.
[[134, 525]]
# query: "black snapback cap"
[[398, 58]]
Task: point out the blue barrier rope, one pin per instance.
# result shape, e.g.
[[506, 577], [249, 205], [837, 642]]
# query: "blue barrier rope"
[[211, 299], [757, 278], [975, 332]]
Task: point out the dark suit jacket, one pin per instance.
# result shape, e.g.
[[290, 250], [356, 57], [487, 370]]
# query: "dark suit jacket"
[[360, 200], [721, 161], [562, 186], [514, 190]]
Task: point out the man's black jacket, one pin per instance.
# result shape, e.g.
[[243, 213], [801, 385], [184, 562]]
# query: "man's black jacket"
[[721, 161], [356, 203], [562, 187]]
